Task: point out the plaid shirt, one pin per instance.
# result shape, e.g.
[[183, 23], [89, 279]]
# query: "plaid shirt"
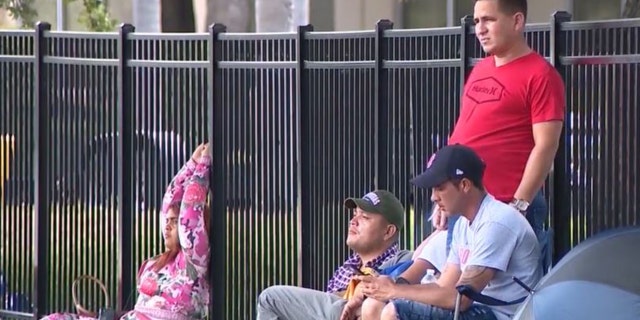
[[342, 276]]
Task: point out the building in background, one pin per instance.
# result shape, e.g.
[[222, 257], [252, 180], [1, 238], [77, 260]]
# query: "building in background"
[[408, 14], [336, 15]]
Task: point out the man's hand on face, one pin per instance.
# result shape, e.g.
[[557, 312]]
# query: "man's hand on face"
[[438, 220], [381, 288]]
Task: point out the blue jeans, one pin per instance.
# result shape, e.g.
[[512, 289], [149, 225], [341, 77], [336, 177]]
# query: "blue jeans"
[[536, 215], [411, 310]]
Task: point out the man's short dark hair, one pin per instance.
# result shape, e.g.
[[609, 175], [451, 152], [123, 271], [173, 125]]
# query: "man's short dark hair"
[[513, 6], [476, 182]]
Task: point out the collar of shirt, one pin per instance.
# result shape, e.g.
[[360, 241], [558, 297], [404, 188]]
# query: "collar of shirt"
[[342, 276]]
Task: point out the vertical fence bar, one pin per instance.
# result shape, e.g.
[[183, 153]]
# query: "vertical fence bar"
[[218, 213], [305, 223], [42, 205], [381, 105], [465, 51], [125, 179], [561, 203]]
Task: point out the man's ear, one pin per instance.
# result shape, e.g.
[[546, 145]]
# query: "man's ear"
[[391, 231], [466, 185], [520, 21]]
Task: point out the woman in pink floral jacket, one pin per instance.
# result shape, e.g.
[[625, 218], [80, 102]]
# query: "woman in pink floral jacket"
[[174, 284]]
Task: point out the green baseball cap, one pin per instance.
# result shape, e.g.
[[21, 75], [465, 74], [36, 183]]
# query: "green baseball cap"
[[382, 202]]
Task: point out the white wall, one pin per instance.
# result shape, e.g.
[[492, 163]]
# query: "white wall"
[[363, 14]]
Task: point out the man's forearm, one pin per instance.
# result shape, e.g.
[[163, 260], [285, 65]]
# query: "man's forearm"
[[536, 171], [417, 270]]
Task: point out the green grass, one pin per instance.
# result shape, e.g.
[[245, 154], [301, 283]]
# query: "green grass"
[[81, 242], [262, 250]]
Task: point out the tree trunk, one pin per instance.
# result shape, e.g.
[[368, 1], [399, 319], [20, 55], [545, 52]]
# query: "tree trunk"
[[631, 9], [232, 13], [177, 16]]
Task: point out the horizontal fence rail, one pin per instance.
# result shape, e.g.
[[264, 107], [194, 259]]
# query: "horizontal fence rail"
[[93, 126]]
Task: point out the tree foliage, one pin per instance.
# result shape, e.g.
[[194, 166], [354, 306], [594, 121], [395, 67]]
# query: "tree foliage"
[[94, 15], [21, 10]]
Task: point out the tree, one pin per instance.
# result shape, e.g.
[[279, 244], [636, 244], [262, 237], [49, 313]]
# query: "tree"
[[95, 16], [177, 16], [21, 10], [631, 9]]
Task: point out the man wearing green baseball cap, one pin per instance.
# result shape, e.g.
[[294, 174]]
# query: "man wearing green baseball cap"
[[382, 202], [377, 219]]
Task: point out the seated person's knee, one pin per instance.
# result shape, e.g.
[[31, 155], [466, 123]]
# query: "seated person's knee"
[[372, 308], [389, 312]]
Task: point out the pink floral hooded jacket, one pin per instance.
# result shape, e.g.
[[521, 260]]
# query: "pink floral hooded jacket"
[[180, 289]]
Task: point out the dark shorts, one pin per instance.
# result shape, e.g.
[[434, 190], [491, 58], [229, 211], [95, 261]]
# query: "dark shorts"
[[411, 310]]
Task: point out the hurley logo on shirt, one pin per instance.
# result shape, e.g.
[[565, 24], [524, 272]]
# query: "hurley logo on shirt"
[[485, 90]]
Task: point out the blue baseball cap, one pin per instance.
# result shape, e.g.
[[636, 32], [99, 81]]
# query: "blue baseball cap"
[[453, 162]]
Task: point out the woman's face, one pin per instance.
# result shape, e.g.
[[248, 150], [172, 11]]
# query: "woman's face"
[[170, 232]]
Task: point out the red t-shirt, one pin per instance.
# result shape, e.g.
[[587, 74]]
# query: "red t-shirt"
[[499, 107]]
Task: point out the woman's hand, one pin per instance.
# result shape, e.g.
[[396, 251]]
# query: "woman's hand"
[[207, 150], [199, 152]]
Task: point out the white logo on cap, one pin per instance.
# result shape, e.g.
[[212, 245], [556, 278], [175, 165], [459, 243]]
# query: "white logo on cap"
[[459, 172], [372, 197]]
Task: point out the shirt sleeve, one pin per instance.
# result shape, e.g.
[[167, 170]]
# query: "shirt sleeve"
[[194, 238], [435, 251], [175, 190], [494, 247], [547, 97]]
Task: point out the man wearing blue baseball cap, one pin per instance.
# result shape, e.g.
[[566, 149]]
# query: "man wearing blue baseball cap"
[[491, 243]]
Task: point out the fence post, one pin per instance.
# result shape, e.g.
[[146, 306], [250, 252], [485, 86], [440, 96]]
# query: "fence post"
[[381, 87], [125, 174], [465, 55], [303, 169], [217, 181], [42, 203], [561, 203]]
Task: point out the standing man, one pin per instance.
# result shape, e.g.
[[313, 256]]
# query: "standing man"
[[512, 111]]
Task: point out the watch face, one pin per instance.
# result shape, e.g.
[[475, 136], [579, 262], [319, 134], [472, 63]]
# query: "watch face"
[[522, 205]]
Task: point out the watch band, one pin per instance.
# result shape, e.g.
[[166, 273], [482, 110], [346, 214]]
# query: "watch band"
[[520, 205]]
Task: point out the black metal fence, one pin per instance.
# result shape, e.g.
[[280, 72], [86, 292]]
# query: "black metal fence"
[[93, 126]]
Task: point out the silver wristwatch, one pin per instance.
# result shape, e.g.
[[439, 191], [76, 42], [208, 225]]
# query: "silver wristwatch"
[[519, 204]]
